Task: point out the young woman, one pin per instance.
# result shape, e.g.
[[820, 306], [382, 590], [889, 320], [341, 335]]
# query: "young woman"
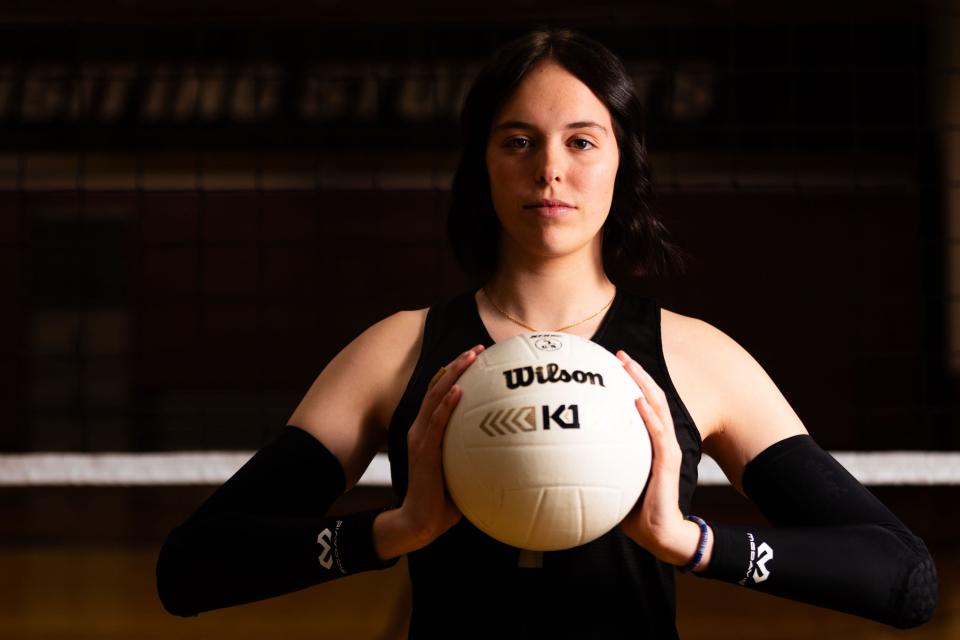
[[549, 215]]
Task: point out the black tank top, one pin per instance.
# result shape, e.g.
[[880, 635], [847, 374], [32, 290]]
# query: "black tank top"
[[466, 584]]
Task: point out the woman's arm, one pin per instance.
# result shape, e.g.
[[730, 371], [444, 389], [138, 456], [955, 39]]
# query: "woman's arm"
[[833, 543], [372, 373], [265, 532]]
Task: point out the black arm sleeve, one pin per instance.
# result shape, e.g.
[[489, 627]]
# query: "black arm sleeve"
[[833, 543], [265, 532]]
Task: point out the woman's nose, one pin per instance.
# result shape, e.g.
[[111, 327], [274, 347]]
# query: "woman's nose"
[[548, 176], [549, 169]]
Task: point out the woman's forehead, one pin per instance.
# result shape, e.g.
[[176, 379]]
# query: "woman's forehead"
[[551, 96]]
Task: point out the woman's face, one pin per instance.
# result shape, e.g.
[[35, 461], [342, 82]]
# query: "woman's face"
[[553, 140]]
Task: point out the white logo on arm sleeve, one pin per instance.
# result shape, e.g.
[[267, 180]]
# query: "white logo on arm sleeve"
[[760, 555], [764, 555], [326, 558]]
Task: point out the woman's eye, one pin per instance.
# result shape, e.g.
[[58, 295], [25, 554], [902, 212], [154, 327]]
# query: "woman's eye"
[[518, 143], [587, 144]]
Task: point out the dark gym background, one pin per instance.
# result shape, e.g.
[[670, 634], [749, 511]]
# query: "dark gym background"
[[201, 203]]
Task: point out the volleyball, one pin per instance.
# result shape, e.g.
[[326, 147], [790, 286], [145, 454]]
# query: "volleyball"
[[546, 449]]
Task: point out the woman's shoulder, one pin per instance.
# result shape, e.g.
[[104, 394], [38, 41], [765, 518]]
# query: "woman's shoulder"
[[359, 388], [688, 343], [745, 410], [392, 346], [400, 325], [691, 335], [386, 344]]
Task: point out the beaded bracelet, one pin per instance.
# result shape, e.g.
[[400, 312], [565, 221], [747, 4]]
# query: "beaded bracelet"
[[701, 546]]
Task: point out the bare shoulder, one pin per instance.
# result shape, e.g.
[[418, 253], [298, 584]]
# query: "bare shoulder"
[[685, 341], [748, 412], [391, 341], [380, 361], [349, 404], [389, 350]]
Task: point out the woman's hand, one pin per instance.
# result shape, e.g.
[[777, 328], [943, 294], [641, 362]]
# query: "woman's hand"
[[427, 510], [656, 522]]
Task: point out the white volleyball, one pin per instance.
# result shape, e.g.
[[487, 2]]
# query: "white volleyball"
[[546, 449]]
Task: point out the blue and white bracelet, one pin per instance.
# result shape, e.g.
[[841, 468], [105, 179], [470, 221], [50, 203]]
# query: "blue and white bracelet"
[[701, 546]]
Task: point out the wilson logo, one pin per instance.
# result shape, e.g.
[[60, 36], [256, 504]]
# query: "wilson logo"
[[526, 376], [519, 419]]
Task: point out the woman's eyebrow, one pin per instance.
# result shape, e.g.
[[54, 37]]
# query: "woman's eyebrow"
[[520, 124]]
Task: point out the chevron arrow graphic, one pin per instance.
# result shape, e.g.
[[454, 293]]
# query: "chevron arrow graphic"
[[506, 421]]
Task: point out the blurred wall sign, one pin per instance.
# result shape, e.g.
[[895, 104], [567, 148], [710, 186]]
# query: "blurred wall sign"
[[57, 103]]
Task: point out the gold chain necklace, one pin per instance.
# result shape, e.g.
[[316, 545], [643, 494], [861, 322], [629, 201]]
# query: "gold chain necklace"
[[526, 326]]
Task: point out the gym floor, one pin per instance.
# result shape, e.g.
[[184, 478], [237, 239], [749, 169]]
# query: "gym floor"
[[79, 564]]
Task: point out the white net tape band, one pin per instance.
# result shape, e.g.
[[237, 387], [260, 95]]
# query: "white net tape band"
[[213, 468]]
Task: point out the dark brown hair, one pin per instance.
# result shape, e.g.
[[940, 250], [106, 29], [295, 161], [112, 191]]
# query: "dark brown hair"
[[635, 241]]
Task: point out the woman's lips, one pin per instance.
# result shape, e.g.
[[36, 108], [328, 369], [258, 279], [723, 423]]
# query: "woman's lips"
[[550, 208]]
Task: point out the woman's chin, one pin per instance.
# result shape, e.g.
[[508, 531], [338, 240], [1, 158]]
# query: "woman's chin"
[[551, 249]]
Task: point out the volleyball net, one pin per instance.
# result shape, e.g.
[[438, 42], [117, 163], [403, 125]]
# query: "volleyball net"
[[888, 468]]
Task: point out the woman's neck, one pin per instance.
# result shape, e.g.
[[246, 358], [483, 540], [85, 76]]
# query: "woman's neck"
[[551, 295]]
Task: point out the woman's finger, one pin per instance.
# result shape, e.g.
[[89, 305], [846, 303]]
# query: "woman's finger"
[[653, 407], [650, 417], [444, 378], [436, 377], [440, 385], [648, 386], [441, 416]]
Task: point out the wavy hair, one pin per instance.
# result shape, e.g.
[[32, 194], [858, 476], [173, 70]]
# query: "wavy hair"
[[635, 241]]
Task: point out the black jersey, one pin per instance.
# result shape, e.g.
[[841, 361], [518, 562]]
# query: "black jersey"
[[466, 584]]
